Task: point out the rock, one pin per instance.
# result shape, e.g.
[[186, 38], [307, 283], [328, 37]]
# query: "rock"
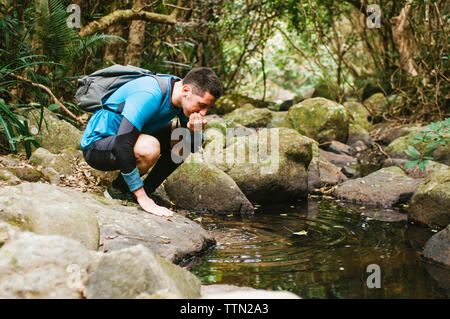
[[415, 172], [8, 178], [234, 292], [230, 102], [49, 210], [216, 122], [51, 175], [250, 116], [437, 248], [55, 134], [320, 119], [375, 102], [268, 166], [386, 187], [385, 133], [131, 272], [359, 114], [26, 173], [59, 162], [397, 149], [278, 119], [337, 147], [358, 133], [327, 91], [201, 186], [177, 239], [430, 203], [35, 266], [321, 172], [349, 172], [7, 232], [339, 160]]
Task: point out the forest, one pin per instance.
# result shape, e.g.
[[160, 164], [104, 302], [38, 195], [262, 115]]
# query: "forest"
[[358, 91]]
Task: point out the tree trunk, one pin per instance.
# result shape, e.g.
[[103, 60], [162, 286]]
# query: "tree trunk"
[[136, 37], [115, 51], [402, 40]]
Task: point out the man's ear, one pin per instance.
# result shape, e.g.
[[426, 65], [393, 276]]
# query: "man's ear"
[[186, 90]]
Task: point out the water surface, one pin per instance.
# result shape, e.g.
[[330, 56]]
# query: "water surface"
[[319, 249]]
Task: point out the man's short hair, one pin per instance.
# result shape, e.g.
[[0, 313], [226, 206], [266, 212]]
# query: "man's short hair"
[[204, 80]]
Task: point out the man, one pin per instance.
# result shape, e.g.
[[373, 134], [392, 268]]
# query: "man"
[[139, 137]]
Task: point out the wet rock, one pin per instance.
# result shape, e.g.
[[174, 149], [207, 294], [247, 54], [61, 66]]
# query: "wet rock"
[[131, 272], [321, 172], [337, 147], [397, 149], [235, 292], [49, 210], [320, 119], [273, 161], [437, 248], [385, 133], [430, 203], [339, 160], [200, 186], [349, 172], [358, 133], [384, 188]]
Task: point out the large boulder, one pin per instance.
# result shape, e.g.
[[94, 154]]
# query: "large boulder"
[[320, 119], [385, 187], [359, 114], [430, 203], [268, 166], [201, 186], [54, 134], [59, 162], [250, 116], [132, 272], [49, 210], [396, 149], [437, 248], [36, 266], [53, 266]]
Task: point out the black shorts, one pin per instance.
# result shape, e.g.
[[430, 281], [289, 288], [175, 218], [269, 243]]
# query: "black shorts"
[[101, 157]]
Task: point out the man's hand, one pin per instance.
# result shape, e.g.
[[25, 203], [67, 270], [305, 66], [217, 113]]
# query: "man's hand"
[[196, 122], [148, 205]]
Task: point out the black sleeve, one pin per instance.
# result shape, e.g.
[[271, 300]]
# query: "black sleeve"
[[124, 143]]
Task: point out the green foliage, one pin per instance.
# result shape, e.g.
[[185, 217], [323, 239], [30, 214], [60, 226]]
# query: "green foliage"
[[437, 133]]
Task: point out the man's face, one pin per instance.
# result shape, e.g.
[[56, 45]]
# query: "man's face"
[[193, 103]]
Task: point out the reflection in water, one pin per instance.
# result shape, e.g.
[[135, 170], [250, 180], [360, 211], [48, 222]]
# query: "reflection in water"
[[319, 250]]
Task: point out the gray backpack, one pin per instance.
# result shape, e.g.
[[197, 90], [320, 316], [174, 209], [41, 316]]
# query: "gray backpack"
[[94, 89]]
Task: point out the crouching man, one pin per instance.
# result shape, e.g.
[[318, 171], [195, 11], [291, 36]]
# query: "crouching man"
[[138, 137]]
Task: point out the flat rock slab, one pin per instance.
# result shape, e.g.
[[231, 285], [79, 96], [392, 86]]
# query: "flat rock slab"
[[384, 188], [235, 292], [100, 223]]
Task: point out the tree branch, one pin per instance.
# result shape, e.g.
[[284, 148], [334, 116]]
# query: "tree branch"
[[119, 16], [49, 92]]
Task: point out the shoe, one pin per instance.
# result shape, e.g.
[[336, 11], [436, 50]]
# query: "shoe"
[[115, 193]]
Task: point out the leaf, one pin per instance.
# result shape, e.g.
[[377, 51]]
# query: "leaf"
[[53, 107], [411, 164], [422, 165], [413, 152]]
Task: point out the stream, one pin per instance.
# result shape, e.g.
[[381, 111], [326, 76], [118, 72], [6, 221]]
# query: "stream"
[[321, 249]]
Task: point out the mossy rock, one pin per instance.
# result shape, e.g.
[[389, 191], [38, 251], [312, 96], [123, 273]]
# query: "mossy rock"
[[430, 203], [396, 149], [375, 102], [359, 114], [55, 134], [250, 116], [320, 119], [201, 186], [230, 102]]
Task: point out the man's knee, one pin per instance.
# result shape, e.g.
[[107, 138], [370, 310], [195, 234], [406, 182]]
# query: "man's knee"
[[147, 148]]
